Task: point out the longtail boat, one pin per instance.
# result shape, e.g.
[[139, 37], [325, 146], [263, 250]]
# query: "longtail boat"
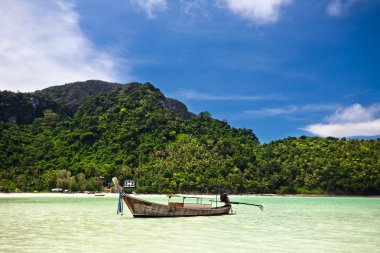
[[143, 209]]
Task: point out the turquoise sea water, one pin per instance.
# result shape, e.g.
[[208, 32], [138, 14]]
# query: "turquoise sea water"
[[287, 224]]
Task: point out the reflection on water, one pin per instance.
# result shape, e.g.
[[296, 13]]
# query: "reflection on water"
[[291, 224]]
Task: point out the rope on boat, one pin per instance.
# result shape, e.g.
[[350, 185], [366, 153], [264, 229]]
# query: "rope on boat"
[[120, 204]]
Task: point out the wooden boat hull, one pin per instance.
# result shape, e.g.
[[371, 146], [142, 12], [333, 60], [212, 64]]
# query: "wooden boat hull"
[[144, 209]]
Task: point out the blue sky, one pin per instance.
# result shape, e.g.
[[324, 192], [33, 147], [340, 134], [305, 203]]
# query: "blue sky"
[[279, 67]]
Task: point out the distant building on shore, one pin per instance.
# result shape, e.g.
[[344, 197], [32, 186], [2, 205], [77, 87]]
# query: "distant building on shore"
[[129, 183], [129, 186]]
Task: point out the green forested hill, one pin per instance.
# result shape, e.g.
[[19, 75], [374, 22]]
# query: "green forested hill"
[[134, 131], [24, 108], [321, 165]]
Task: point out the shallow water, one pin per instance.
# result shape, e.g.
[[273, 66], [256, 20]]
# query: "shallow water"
[[288, 224]]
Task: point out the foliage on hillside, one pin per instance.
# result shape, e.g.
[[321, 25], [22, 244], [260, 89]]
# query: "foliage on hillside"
[[73, 94], [135, 132], [320, 165], [24, 108]]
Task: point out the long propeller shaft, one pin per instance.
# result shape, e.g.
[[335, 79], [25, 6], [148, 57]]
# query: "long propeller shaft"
[[242, 203], [249, 204]]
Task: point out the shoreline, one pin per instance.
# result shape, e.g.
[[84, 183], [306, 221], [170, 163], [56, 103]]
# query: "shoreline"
[[115, 195]]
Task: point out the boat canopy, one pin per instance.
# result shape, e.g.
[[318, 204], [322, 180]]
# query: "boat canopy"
[[189, 196]]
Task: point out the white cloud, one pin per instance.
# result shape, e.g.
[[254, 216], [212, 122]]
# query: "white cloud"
[[150, 6], [354, 120], [369, 128], [355, 113], [269, 112], [195, 8], [195, 95], [258, 11], [42, 45], [337, 8], [292, 109]]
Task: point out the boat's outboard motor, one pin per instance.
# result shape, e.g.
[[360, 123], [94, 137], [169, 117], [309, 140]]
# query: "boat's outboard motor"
[[224, 198]]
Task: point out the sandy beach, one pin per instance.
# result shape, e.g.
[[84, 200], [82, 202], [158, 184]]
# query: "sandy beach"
[[110, 195], [79, 195], [48, 194], [115, 195]]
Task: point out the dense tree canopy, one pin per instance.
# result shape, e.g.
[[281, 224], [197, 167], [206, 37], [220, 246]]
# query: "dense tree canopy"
[[134, 131]]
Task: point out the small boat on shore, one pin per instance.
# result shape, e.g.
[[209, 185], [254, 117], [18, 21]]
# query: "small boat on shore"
[[143, 209]]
